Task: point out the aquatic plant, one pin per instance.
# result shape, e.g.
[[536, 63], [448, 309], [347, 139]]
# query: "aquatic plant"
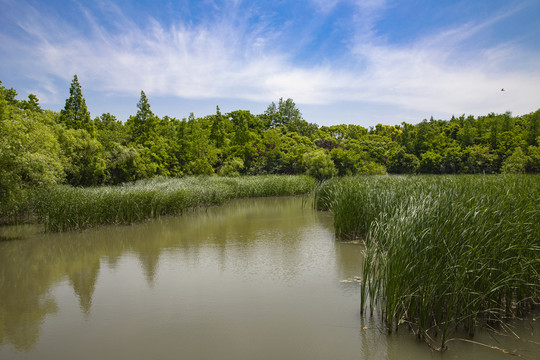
[[442, 252], [63, 208]]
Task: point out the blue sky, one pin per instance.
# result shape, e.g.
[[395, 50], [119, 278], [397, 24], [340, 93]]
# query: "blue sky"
[[341, 61]]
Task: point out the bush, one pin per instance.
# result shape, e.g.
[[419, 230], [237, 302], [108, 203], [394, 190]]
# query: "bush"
[[319, 164]]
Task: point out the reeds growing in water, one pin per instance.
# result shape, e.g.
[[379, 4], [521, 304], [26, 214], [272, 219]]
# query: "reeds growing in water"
[[64, 208], [442, 252]]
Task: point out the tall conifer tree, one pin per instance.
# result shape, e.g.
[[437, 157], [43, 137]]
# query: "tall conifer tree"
[[217, 134], [143, 124], [75, 114]]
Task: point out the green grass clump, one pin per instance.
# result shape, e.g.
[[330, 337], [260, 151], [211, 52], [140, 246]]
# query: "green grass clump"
[[443, 252], [64, 208]]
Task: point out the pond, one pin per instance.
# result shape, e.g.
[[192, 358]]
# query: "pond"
[[254, 279]]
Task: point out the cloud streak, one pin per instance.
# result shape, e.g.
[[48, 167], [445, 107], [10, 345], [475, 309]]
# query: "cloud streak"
[[233, 58]]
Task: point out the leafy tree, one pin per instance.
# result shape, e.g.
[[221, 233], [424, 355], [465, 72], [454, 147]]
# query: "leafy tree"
[[203, 155], [319, 164], [302, 127], [452, 160], [75, 114], [271, 153], [241, 120], [515, 163], [356, 132], [123, 164], [110, 131], [31, 104], [376, 147], [83, 158], [430, 163], [29, 155], [388, 131], [533, 128], [369, 167], [217, 134], [345, 161], [466, 135], [282, 114], [232, 167], [533, 166], [479, 159], [183, 150], [494, 131], [143, 125], [400, 162]]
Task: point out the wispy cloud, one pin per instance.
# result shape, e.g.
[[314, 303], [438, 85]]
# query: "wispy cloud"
[[235, 58], [442, 73]]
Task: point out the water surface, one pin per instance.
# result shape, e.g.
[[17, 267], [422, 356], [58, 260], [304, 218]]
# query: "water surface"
[[255, 279]]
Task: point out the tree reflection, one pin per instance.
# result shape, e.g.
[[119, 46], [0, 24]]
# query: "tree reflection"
[[31, 267]]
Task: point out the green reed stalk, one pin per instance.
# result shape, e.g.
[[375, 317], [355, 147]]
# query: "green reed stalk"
[[64, 208], [443, 251]]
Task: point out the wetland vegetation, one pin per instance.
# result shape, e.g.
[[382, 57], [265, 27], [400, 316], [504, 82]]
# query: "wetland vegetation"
[[63, 208], [442, 252]]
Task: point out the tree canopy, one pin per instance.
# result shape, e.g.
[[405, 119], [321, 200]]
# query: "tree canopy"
[[43, 147]]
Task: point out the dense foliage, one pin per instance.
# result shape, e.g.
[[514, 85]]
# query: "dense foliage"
[[442, 253], [42, 147]]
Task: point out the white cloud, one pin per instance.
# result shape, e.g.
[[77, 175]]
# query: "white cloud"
[[438, 73], [234, 59]]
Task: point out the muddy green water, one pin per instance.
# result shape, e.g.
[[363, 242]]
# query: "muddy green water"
[[255, 279]]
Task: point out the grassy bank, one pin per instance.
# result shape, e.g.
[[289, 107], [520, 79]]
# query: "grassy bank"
[[442, 252], [64, 208]]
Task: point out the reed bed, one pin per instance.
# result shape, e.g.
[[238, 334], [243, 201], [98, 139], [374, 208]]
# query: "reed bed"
[[442, 252], [64, 208]]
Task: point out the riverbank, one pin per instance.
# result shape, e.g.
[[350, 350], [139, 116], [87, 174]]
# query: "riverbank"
[[64, 208]]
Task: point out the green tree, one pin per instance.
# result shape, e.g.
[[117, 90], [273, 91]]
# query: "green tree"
[[217, 133], [75, 114], [533, 128], [123, 164], [109, 130], [29, 154], [241, 120], [479, 159], [345, 161], [533, 165], [302, 127], [430, 163], [232, 167], [31, 104], [143, 125], [515, 163], [282, 114], [466, 135], [203, 154], [452, 160], [83, 158], [319, 164], [400, 162]]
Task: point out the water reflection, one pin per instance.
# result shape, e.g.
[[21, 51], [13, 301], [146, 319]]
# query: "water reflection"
[[31, 267]]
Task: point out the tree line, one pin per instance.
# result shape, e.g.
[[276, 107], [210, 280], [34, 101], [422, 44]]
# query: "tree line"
[[41, 147]]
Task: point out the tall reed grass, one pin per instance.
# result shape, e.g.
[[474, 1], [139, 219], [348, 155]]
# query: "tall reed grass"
[[64, 208], [442, 252]]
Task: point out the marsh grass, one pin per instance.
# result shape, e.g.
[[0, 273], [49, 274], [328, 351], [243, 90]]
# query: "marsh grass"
[[64, 208], [442, 252]]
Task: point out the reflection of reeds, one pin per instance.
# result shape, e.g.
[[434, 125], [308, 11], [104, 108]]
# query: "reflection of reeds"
[[65, 208], [442, 251]]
